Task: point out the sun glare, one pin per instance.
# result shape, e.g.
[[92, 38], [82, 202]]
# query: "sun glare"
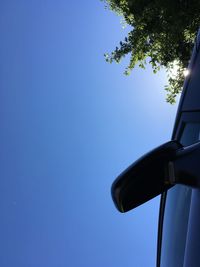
[[186, 72], [175, 68]]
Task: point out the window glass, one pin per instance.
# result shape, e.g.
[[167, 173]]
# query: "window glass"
[[190, 133], [177, 211], [175, 226], [192, 256]]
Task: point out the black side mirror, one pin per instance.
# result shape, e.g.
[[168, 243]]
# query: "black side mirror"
[[156, 172]]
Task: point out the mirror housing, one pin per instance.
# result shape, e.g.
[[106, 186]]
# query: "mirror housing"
[[155, 172], [146, 178]]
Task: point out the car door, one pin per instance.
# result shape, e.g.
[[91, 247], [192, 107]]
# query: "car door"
[[179, 220]]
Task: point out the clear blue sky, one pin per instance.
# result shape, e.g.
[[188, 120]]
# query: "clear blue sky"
[[70, 123]]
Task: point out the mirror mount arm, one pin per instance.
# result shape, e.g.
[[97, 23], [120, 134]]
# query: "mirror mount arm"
[[185, 167]]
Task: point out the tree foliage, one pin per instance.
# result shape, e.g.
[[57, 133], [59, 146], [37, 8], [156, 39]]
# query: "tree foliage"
[[163, 34]]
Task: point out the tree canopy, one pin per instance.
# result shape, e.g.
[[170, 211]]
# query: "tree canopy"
[[162, 34]]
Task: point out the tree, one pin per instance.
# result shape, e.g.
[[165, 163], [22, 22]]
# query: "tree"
[[163, 34]]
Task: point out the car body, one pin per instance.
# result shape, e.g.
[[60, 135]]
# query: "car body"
[[184, 234], [172, 170]]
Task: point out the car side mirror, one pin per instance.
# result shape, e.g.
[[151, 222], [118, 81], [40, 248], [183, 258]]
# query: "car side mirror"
[[155, 172]]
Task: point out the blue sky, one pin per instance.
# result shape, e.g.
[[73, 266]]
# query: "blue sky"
[[70, 123]]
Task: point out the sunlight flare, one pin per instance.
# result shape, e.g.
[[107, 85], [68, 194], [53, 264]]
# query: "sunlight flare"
[[186, 72]]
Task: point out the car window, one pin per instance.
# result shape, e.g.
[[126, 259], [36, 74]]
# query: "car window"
[[177, 211], [192, 257], [175, 226], [190, 133]]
